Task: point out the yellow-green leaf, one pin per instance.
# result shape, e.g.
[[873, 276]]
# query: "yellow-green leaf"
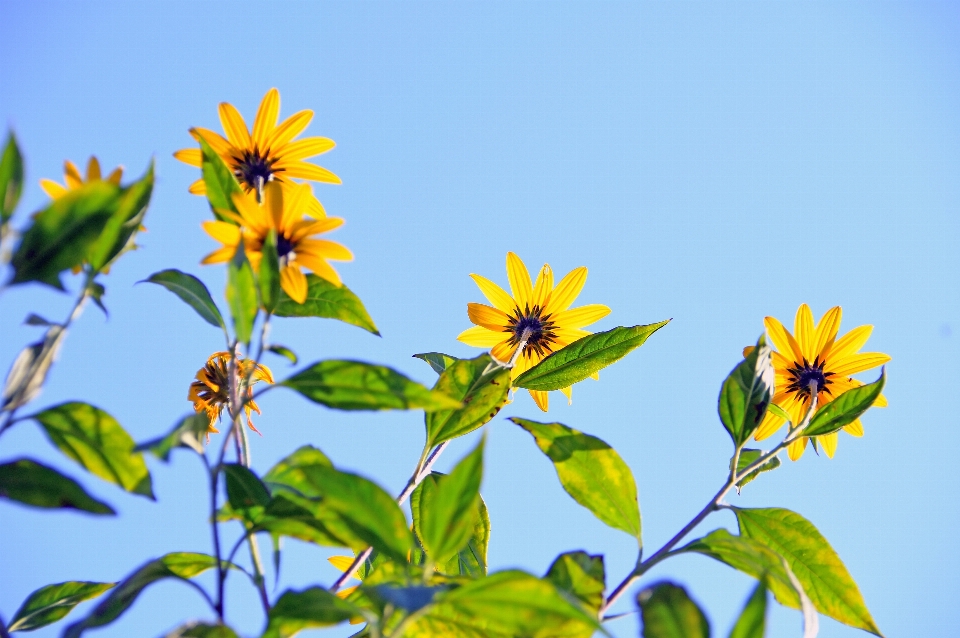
[[846, 408], [325, 300], [667, 611], [580, 575], [11, 177], [220, 181], [307, 609], [242, 295], [746, 393], [481, 385], [270, 273], [192, 291], [49, 604], [752, 622]]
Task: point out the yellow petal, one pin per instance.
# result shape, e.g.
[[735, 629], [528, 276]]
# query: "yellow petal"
[[254, 216], [850, 342], [803, 328], [72, 175], [115, 176], [343, 562], [795, 449], [595, 376], [191, 156], [234, 126], [770, 424], [855, 428], [322, 269], [495, 294], [826, 330], [199, 187], [289, 129], [566, 336], [313, 207], [568, 392], [503, 352], [307, 147], [488, 317], [480, 337], [543, 287], [782, 339], [220, 255], [222, 147], [567, 290], [266, 119], [346, 591], [52, 189], [273, 203], [829, 443], [298, 232], [294, 283], [541, 399], [328, 250], [747, 350], [580, 317], [294, 204], [303, 170], [93, 169], [881, 402], [519, 280], [224, 232], [858, 363]]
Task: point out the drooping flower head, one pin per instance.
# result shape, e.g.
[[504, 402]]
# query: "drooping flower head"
[[210, 393], [265, 154], [283, 211], [813, 358], [537, 314], [72, 178]]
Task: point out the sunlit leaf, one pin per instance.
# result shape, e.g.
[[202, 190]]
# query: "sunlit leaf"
[[34, 484], [270, 273], [845, 409], [242, 295], [11, 177], [752, 622], [747, 458], [123, 224], [591, 472], [667, 611], [220, 181], [816, 566], [187, 433], [202, 630], [284, 352], [354, 385], [327, 301], [191, 290], [307, 609], [746, 393], [244, 488], [95, 440], [580, 575], [585, 356], [49, 604], [481, 385], [437, 360]]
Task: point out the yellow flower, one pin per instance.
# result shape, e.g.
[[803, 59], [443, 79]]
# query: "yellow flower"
[[210, 392], [815, 355], [267, 153], [73, 179], [282, 211], [539, 314]]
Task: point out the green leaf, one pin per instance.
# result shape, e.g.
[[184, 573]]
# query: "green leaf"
[[220, 181], [191, 290], [34, 484], [117, 235], [49, 604], [437, 360], [780, 412], [846, 408], [354, 385], [287, 472], [505, 604], [244, 488], [668, 612], [96, 291], [11, 177], [752, 622], [471, 559], [95, 440], [287, 353], [752, 558], [481, 385], [327, 301], [310, 608], [749, 456], [270, 273], [585, 356], [185, 434], [242, 295], [62, 234], [746, 393], [818, 568], [448, 517], [202, 630], [580, 575], [180, 565], [591, 472]]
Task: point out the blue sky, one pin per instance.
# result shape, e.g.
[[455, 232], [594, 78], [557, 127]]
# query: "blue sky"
[[711, 162]]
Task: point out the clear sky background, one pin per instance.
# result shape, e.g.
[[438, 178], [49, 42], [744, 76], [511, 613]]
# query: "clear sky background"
[[711, 162]]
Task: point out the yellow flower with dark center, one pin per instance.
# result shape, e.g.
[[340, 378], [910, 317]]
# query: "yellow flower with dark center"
[[282, 211], [72, 178], [814, 359], [210, 393], [537, 315], [265, 154]]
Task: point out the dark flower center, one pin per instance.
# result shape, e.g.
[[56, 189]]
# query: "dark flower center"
[[538, 328], [253, 170], [284, 246], [801, 376]]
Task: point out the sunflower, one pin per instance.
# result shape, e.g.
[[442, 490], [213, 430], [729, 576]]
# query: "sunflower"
[[265, 154], [815, 356], [537, 315], [73, 179], [210, 392], [282, 211]]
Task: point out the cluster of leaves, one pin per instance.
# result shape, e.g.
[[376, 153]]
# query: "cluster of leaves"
[[427, 577]]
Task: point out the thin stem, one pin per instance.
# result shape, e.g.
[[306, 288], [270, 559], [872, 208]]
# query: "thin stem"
[[714, 504], [423, 468], [214, 474]]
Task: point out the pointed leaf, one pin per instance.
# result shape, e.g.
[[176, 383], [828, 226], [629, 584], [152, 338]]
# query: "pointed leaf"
[[242, 295], [191, 290], [287, 472], [818, 568], [580, 575], [447, 518], [437, 360], [668, 612], [124, 223], [354, 385], [747, 458], [186, 434], [270, 273], [585, 356], [845, 409], [49, 604], [220, 181], [95, 440], [202, 630], [284, 352], [591, 472], [34, 484], [11, 177], [327, 301], [471, 559], [481, 385], [244, 488], [746, 393], [310, 608], [752, 622]]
